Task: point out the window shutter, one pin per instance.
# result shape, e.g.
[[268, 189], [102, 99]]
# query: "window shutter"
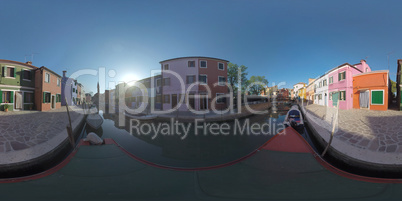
[[32, 74], [15, 72], [44, 97], [2, 71], [1, 96], [11, 97]]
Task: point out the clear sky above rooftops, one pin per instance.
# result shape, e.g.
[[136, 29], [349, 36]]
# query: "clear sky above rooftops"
[[285, 40]]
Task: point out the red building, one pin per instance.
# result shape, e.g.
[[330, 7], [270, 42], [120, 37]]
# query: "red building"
[[47, 89]]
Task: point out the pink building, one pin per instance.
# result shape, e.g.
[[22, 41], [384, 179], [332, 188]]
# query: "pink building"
[[189, 76], [340, 79]]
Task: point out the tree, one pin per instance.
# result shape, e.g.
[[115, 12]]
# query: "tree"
[[233, 76], [257, 84], [393, 88]]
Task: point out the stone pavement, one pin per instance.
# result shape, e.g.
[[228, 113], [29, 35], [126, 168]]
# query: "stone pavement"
[[367, 135], [27, 134]]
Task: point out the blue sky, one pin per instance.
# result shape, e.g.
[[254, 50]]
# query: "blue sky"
[[285, 41]]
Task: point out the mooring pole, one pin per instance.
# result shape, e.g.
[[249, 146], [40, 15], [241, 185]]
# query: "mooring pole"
[[69, 127]]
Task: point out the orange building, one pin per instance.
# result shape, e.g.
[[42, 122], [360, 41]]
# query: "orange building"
[[371, 90]]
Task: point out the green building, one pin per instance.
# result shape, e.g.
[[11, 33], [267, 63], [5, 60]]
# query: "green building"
[[399, 84], [17, 85]]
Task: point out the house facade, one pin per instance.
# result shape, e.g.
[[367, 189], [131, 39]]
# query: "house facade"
[[321, 90], [298, 90], [47, 89], [68, 90], [371, 90], [152, 87], [194, 81], [310, 90], [17, 85], [340, 84]]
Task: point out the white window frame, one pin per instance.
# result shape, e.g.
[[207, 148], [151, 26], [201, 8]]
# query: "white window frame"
[[221, 83], [383, 96], [58, 82], [331, 79], [344, 77], [206, 64], [222, 65], [206, 79], [340, 92], [6, 74], [46, 75]]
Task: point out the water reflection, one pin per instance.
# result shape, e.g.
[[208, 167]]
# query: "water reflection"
[[195, 145]]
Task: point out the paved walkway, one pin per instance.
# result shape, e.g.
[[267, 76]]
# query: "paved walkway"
[[27, 134], [371, 136]]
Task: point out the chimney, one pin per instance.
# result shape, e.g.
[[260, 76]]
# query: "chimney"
[[29, 62], [64, 73]]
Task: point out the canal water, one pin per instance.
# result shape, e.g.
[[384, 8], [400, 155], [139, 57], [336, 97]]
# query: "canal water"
[[194, 144]]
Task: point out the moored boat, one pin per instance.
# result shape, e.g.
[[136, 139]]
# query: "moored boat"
[[94, 121], [294, 119]]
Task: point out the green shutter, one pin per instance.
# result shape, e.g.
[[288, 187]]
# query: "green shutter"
[[11, 97], [44, 97], [15, 72], [377, 97], [2, 72], [1, 96]]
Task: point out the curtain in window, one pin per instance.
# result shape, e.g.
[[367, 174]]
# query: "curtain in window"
[[364, 99]]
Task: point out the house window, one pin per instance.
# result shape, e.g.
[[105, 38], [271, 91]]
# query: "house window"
[[331, 80], [46, 97], [366, 70], [203, 64], [330, 96], [202, 79], [320, 84], [158, 82], [343, 95], [320, 97], [73, 89], [377, 97], [324, 83], [341, 76], [158, 98], [8, 72], [26, 75], [220, 99], [190, 79], [166, 99], [166, 67], [47, 77], [58, 82], [221, 80], [166, 81], [6, 97], [221, 66], [28, 97], [191, 63]]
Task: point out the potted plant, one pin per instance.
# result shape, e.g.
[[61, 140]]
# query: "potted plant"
[[6, 107]]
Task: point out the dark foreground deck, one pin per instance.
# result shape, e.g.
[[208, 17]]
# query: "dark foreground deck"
[[284, 169]]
